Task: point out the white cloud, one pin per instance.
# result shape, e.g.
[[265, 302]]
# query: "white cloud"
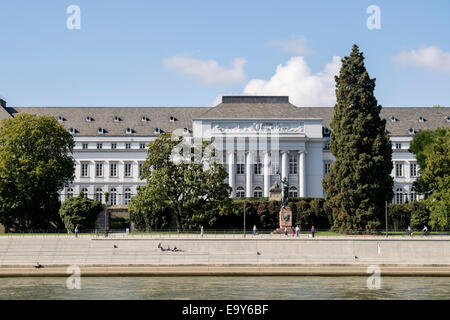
[[209, 71], [432, 58], [294, 45], [296, 80]]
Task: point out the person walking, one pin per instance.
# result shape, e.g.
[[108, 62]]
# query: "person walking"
[[201, 231], [254, 230], [409, 231], [297, 230], [285, 231], [76, 232], [313, 230]]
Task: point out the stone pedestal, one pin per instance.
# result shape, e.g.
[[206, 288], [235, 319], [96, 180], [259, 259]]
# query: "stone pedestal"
[[285, 221], [285, 217]]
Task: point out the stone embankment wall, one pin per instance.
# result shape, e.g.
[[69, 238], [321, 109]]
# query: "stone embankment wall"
[[126, 251]]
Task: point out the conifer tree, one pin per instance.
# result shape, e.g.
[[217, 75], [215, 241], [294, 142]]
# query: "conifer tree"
[[359, 180]]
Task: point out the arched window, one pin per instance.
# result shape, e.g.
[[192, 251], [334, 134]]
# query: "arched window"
[[240, 192], [84, 191], [98, 194], [69, 192], [113, 196], [399, 195], [293, 193], [127, 196], [257, 192]]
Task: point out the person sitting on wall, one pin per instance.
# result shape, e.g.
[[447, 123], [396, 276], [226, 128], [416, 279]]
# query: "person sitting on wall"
[[175, 249], [38, 265]]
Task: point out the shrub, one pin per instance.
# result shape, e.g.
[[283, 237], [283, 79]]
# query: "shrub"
[[80, 212]]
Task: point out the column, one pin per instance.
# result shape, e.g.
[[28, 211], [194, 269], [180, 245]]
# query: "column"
[[266, 174], [249, 175], [302, 173], [231, 174], [284, 165]]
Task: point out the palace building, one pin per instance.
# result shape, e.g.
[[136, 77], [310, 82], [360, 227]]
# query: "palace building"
[[257, 136]]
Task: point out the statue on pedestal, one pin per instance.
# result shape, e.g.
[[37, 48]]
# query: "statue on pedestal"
[[284, 191], [285, 211]]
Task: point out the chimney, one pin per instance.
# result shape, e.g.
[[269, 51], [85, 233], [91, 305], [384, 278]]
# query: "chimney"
[[255, 99]]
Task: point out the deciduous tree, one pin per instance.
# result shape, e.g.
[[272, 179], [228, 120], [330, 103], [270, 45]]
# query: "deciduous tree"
[[193, 190], [35, 163]]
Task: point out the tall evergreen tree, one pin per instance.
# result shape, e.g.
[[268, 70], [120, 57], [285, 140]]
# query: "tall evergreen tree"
[[359, 180]]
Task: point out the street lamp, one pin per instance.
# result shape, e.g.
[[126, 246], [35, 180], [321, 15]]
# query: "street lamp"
[[244, 216]]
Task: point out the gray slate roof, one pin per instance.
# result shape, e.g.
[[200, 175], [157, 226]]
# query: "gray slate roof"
[[130, 117], [4, 114], [232, 107]]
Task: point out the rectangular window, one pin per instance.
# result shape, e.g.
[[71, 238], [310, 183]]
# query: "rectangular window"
[[99, 145], [142, 145], [398, 146], [293, 165], [127, 196], [326, 167], [399, 196], [257, 165], [99, 169], [399, 170], [275, 162], [127, 169], [113, 145], [326, 146], [127, 145], [85, 146], [113, 169], [84, 169], [240, 163], [413, 170], [140, 170]]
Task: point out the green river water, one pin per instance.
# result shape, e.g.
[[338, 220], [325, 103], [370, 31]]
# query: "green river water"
[[230, 288]]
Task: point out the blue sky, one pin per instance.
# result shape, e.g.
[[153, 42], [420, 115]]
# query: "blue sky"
[[187, 53]]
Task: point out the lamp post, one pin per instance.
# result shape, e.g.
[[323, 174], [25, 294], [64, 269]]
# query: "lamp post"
[[244, 217], [386, 218]]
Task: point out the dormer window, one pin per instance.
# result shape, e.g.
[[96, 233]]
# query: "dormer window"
[[116, 119], [71, 130], [88, 119], [411, 131], [101, 130], [394, 119], [129, 130], [447, 119], [157, 130], [172, 119], [144, 119], [186, 130], [60, 118], [421, 119]]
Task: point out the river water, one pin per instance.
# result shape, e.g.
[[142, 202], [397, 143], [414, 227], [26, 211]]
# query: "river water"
[[230, 288]]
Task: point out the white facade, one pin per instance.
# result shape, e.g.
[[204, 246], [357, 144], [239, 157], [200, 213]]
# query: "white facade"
[[258, 136], [253, 153]]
